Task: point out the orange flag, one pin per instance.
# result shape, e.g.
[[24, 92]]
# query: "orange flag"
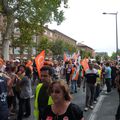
[[39, 60], [29, 64], [84, 63], [65, 57]]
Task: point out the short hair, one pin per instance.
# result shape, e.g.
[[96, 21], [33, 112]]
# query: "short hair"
[[63, 86], [107, 64], [47, 68], [28, 72]]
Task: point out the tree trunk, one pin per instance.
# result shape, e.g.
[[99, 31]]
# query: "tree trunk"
[[5, 49], [6, 38]]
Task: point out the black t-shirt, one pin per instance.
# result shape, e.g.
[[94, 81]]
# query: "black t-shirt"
[[113, 72], [43, 97], [73, 112], [91, 76]]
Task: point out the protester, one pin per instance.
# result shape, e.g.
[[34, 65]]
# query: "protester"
[[74, 78], [25, 93], [98, 83], [108, 77], [68, 72], [5, 82], [80, 75], [62, 109], [118, 88], [10, 92], [91, 76], [42, 99], [113, 74]]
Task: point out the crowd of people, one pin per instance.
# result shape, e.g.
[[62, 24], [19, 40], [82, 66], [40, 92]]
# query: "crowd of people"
[[57, 82]]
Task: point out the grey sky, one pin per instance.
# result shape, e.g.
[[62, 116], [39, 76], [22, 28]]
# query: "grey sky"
[[85, 22]]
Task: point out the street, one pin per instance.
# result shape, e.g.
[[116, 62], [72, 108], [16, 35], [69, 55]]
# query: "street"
[[105, 108]]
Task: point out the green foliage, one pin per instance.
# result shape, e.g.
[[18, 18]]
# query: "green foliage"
[[84, 54], [57, 47], [31, 15], [113, 56], [69, 48], [98, 58], [43, 45]]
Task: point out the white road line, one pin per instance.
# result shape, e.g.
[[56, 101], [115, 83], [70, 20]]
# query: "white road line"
[[93, 115], [97, 108]]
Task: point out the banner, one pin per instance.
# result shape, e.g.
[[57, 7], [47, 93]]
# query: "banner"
[[39, 60], [84, 63], [65, 57]]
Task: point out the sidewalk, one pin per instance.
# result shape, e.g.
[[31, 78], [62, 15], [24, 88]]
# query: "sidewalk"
[[106, 107]]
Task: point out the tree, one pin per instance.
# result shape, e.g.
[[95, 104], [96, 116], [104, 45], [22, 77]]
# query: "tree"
[[34, 14], [69, 48], [113, 56], [98, 58], [43, 45], [57, 47]]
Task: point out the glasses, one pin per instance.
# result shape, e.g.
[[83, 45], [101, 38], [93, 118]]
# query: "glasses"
[[55, 91]]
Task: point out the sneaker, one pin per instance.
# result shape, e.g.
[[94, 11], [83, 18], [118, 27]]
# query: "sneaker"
[[106, 93], [95, 102], [86, 109], [91, 107]]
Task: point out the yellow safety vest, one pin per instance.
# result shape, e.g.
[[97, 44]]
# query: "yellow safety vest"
[[99, 79], [36, 110]]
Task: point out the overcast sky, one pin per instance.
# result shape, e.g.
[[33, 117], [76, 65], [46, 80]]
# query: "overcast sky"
[[85, 23]]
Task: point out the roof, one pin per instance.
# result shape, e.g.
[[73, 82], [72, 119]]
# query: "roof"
[[55, 31], [83, 45]]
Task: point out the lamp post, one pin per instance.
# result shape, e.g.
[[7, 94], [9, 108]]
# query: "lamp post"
[[116, 13]]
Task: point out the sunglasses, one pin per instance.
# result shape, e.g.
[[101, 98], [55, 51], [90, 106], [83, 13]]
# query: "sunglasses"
[[55, 91]]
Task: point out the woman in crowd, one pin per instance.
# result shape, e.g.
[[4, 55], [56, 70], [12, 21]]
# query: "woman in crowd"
[[62, 109]]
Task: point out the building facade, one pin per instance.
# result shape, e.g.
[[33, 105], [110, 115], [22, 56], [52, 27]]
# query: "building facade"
[[86, 49], [52, 35], [56, 35]]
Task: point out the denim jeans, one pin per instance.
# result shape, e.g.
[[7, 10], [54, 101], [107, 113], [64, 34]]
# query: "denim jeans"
[[108, 84], [24, 104], [4, 115], [73, 86]]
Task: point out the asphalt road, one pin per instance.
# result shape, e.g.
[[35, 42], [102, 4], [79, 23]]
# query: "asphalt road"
[[104, 109]]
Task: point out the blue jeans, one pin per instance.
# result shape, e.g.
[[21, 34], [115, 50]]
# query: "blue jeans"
[[73, 86], [108, 84], [4, 115]]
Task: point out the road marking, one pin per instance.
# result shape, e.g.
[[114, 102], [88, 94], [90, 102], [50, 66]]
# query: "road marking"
[[97, 108], [93, 115]]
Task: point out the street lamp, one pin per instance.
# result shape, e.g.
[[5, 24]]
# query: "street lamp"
[[116, 13]]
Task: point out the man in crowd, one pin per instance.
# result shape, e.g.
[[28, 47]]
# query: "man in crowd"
[[108, 78], [5, 82], [42, 99], [91, 75]]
